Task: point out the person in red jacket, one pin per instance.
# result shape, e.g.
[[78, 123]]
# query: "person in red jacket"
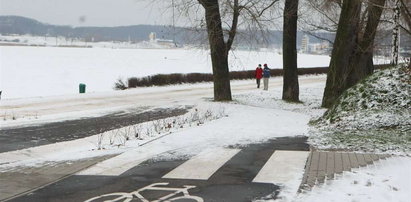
[[258, 75]]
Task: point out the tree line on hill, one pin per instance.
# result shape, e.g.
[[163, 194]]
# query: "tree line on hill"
[[17, 25]]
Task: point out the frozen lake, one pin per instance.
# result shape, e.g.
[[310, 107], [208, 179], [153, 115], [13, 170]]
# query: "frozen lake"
[[47, 71]]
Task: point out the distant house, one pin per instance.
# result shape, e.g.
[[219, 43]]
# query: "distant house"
[[162, 42], [152, 37], [319, 48]]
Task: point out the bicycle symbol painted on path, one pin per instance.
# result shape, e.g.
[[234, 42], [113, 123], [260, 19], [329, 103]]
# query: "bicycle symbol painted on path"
[[176, 195]]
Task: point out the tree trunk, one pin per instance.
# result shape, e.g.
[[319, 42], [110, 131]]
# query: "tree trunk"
[[345, 44], [362, 65], [219, 53], [396, 33], [290, 79]]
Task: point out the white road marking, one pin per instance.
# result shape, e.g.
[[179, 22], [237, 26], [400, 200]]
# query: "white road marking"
[[283, 167], [117, 165], [202, 166], [161, 186], [106, 168]]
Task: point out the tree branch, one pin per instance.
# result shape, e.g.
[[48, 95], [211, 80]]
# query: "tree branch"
[[234, 24], [404, 6], [270, 5], [405, 29], [406, 16], [318, 37]]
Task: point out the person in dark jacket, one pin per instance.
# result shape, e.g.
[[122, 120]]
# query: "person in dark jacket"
[[266, 75], [258, 75]]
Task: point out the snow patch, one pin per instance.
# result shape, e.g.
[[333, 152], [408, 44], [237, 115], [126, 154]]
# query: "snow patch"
[[386, 180]]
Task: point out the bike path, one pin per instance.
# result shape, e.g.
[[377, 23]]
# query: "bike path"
[[23, 137], [233, 181]]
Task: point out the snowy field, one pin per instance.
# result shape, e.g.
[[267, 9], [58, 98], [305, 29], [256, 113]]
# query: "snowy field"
[[46, 71]]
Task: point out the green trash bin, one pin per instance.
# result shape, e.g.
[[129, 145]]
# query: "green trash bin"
[[82, 88]]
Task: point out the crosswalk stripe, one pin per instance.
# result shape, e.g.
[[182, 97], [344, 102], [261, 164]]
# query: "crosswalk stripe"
[[282, 167], [119, 164], [106, 168], [202, 166]]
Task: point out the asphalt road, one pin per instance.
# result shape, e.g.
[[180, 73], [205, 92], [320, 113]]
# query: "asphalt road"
[[232, 182], [30, 136]]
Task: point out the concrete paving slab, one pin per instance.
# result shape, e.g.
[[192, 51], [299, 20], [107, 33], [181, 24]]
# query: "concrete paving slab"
[[368, 159], [345, 161], [375, 157], [307, 167], [353, 160], [313, 169], [330, 165], [361, 160], [322, 167], [338, 162], [323, 164]]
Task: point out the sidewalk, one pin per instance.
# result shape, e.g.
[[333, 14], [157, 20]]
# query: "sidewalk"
[[21, 181], [322, 165]]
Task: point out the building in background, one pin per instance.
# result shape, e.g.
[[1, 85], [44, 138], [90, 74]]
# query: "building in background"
[[322, 48], [166, 43], [152, 37], [304, 44]]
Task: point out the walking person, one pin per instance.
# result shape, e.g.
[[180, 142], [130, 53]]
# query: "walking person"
[[258, 75], [266, 75]]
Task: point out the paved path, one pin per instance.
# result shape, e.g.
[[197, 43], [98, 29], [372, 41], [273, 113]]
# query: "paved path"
[[27, 179], [22, 137], [234, 173], [92, 103], [323, 165]]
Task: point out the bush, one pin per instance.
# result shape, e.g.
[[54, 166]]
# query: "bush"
[[119, 85], [170, 79]]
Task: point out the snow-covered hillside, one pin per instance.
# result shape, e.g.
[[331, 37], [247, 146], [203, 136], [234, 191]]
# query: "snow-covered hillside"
[[372, 115]]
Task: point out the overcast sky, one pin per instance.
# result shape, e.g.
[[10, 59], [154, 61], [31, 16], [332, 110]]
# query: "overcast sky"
[[89, 12]]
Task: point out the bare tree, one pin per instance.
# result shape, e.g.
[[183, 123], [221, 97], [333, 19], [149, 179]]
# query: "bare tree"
[[362, 64], [318, 16], [351, 58], [219, 48], [406, 16], [345, 42], [406, 20], [222, 19], [396, 33], [290, 80]]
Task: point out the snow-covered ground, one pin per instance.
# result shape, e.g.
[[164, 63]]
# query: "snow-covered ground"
[[231, 126], [45, 71], [17, 112]]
